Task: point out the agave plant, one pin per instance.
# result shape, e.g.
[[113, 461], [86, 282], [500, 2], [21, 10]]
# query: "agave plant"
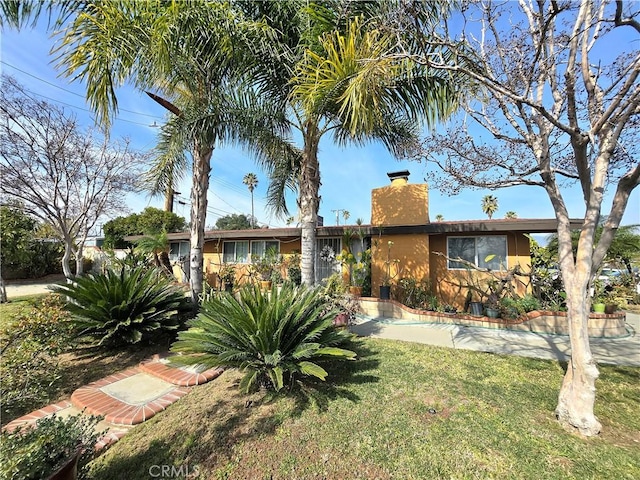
[[122, 307], [271, 336]]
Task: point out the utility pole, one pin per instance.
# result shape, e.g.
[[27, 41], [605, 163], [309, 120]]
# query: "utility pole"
[[338, 212]]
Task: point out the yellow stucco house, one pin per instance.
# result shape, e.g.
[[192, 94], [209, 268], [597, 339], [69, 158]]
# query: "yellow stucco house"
[[403, 241]]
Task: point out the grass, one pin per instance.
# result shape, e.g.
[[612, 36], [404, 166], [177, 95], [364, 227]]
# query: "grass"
[[402, 411], [77, 367]]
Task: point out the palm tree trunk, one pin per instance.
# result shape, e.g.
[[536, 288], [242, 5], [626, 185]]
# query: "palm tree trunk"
[[309, 201], [168, 199], [253, 217], [199, 188]]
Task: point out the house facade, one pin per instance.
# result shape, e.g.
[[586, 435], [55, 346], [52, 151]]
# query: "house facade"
[[403, 241]]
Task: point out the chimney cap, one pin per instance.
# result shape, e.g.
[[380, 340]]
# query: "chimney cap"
[[400, 174]]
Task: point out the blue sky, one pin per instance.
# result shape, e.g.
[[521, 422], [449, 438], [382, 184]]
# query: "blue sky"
[[348, 174]]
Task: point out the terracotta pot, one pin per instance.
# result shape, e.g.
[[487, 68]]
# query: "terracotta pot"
[[341, 320], [265, 284], [68, 471], [355, 291]]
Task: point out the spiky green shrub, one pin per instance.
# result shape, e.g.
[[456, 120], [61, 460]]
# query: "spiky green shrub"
[[123, 307], [273, 336]]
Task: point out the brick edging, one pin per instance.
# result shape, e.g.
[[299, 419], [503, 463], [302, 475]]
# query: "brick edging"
[[178, 376]]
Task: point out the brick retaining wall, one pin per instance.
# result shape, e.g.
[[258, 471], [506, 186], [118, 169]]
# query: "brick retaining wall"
[[600, 324]]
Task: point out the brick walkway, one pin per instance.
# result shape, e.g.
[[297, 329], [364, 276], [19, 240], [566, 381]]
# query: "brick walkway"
[[127, 398]]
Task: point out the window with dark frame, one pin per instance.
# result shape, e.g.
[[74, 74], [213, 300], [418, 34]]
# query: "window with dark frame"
[[487, 251]]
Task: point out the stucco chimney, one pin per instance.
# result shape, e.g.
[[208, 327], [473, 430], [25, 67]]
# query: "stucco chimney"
[[399, 178], [400, 203]]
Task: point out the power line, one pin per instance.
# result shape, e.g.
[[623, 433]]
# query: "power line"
[[72, 92]]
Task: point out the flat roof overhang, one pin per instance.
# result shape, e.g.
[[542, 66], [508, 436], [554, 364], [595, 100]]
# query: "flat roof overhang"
[[519, 225]]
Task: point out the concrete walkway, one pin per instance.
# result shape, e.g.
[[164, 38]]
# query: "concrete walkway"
[[126, 398], [21, 288], [618, 351]]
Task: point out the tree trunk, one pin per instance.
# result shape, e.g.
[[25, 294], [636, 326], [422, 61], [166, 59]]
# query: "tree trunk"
[[66, 260], [309, 202], [79, 261], [165, 263], [578, 391], [201, 172], [253, 217], [3, 291], [577, 395]]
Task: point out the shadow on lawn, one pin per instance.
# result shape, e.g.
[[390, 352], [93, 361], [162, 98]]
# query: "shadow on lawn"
[[343, 376], [203, 428]]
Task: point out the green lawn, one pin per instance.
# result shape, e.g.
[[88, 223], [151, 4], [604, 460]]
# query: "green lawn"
[[375, 419], [77, 367]]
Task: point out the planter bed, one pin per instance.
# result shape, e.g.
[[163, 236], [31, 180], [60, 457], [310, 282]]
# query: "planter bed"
[[600, 325]]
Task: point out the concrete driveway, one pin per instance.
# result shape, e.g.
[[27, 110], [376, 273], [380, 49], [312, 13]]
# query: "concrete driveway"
[[618, 351]]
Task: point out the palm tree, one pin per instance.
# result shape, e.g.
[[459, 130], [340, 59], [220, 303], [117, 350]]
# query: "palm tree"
[[439, 217], [158, 247], [193, 56], [333, 70], [251, 181], [511, 214], [489, 205]]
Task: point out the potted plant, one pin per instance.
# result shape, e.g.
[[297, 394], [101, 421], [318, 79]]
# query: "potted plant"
[[476, 308], [227, 276], [387, 273], [54, 448], [598, 305], [493, 306], [358, 277], [265, 266], [336, 298], [612, 300]]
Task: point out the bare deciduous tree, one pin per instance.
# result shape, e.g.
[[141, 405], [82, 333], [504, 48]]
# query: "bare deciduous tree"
[[559, 105], [63, 176]]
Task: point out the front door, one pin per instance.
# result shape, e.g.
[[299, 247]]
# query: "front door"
[[325, 269]]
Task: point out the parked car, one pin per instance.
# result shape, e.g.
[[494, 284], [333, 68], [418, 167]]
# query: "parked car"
[[609, 275]]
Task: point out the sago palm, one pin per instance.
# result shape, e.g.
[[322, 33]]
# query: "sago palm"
[[273, 337], [126, 306]]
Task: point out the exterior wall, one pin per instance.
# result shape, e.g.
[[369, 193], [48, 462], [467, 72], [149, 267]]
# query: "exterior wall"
[[412, 251], [400, 204], [451, 285], [213, 259]]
